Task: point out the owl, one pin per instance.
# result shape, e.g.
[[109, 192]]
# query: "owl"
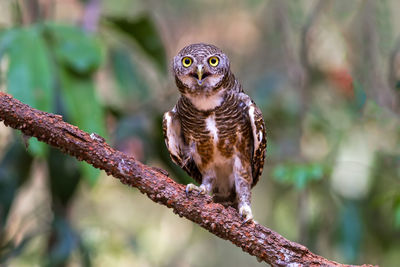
[[215, 132]]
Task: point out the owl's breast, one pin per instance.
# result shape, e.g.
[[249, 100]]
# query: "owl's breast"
[[215, 136], [198, 138], [233, 130]]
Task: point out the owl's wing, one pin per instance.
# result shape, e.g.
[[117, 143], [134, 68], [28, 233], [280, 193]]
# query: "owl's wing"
[[259, 141], [176, 146]]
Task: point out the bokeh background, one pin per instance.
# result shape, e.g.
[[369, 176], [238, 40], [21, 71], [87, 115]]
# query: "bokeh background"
[[326, 75]]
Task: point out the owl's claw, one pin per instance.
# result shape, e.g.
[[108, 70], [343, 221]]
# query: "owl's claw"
[[202, 189], [246, 213], [191, 187]]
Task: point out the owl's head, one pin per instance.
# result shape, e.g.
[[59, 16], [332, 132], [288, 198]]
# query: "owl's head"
[[200, 70]]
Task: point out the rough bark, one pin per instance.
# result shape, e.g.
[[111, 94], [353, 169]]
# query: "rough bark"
[[226, 223]]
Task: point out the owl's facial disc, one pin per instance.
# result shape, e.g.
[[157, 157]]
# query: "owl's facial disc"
[[200, 70], [201, 78]]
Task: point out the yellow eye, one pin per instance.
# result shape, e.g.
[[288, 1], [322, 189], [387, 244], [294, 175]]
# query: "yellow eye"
[[186, 62], [213, 61]]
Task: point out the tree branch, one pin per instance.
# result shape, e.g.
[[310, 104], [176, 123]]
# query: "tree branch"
[[226, 223]]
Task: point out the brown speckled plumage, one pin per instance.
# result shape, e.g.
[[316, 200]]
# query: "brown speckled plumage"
[[215, 132]]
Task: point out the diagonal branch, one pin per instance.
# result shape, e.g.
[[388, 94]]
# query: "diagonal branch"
[[226, 223]]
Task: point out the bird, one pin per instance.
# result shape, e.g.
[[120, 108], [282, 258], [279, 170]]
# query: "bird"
[[215, 132]]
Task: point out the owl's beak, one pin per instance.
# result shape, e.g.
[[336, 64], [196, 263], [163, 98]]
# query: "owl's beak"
[[200, 72]]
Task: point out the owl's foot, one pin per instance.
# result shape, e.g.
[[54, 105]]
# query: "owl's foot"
[[246, 213], [191, 187]]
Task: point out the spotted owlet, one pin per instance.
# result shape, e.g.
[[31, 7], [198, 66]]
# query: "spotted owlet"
[[215, 132]]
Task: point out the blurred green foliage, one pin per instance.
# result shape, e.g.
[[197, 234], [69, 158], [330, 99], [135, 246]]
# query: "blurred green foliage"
[[396, 207], [298, 175], [51, 67], [319, 72], [144, 32]]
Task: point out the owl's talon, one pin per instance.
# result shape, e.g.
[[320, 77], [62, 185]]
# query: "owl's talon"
[[202, 189], [191, 187], [246, 213]]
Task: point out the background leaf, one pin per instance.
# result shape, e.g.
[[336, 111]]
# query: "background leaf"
[[76, 49], [143, 31], [64, 241], [64, 177], [127, 75], [6, 39], [14, 170], [29, 76]]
